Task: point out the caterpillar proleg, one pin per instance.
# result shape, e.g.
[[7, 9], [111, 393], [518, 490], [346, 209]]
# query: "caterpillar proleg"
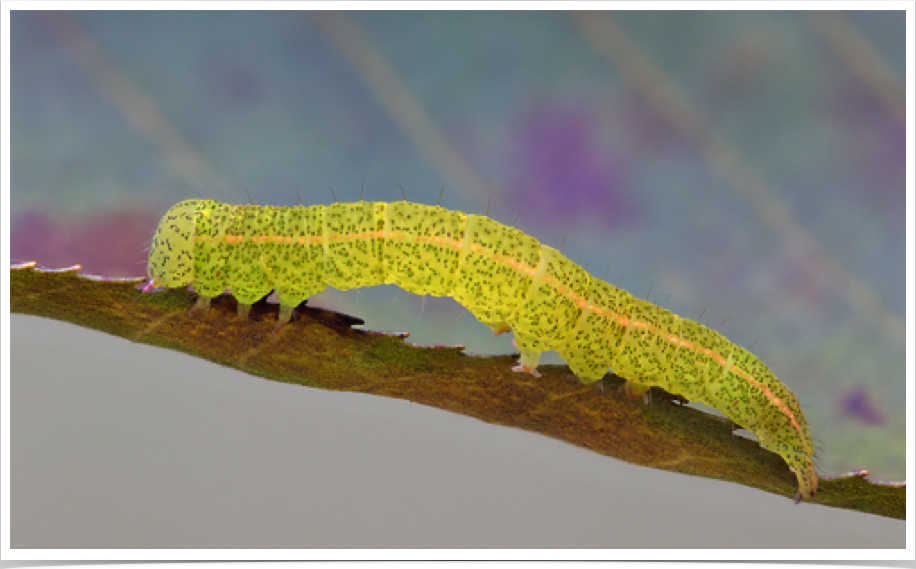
[[506, 278]]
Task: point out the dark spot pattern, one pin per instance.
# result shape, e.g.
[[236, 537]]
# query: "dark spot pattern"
[[422, 249], [171, 258], [507, 279], [353, 254], [494, 290], [551, 310], [590, 347]]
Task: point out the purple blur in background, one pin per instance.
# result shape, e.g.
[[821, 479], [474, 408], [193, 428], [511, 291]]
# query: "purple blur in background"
[[745, 162]]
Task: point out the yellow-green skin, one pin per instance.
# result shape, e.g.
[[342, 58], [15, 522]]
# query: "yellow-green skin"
[[507, 279]]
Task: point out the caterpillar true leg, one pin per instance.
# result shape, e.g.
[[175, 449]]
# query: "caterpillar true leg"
[[201, 306], [635, 390], [501, 328], [286, 312]]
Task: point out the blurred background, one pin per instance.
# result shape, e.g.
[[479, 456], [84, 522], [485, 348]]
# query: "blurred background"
[[744, 168]]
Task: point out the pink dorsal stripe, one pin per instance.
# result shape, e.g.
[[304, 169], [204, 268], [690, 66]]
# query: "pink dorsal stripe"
[[560, 287]]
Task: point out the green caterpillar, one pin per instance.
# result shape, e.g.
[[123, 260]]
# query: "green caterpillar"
[[506, 278]]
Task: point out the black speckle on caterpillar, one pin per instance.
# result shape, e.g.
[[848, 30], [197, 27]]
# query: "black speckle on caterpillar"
[[506, 278]]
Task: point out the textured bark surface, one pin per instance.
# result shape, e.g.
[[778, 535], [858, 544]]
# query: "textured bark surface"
[[321, 349]]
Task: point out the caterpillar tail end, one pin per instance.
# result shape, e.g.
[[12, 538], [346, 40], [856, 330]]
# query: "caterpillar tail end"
[[807, 482], [528, 363]]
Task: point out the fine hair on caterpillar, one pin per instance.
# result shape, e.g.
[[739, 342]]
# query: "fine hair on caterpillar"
[[505, 278]]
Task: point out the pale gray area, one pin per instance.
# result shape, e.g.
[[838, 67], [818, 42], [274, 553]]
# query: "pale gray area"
[[121, 445]]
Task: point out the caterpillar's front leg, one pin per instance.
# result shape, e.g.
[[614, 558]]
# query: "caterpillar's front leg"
[[202, 305], [289, 300], [635, 390], [500, 328], [286, 312]]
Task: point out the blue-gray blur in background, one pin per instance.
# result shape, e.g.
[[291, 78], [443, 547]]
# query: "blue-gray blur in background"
[[746, 166]]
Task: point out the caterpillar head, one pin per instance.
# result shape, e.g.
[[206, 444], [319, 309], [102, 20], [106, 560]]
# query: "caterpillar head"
[[171, 252]]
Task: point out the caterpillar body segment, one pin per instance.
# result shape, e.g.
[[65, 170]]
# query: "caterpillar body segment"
[[353, 245], [427, 263], [506, 278], [493, 290]]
